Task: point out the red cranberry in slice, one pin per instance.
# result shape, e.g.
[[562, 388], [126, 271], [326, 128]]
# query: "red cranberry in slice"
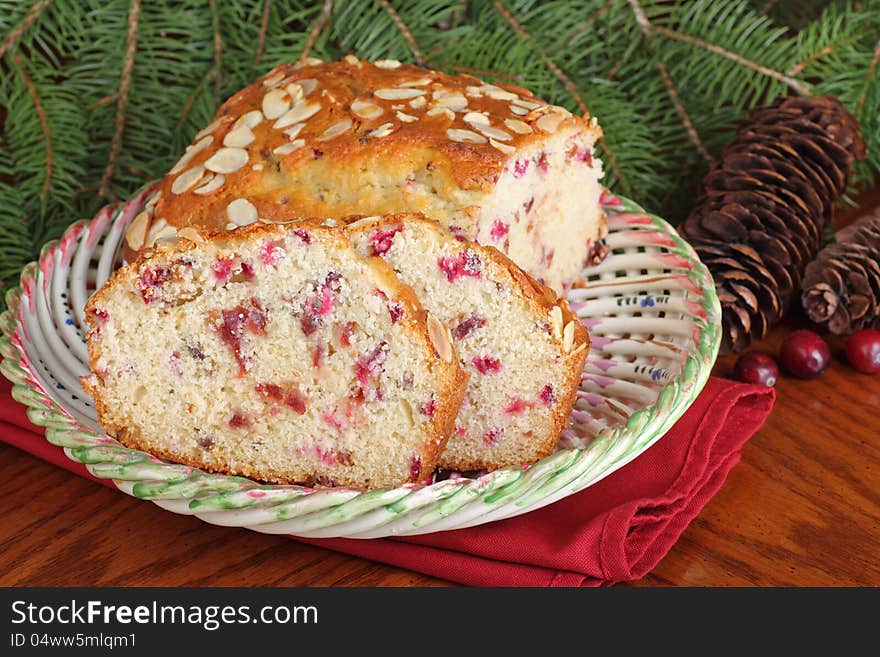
[[804, 354], [466, 326], [492, 435], [499, 230], [381, 240], [428, 408], [240, 421], [755, 367], [463, 264], [520, 168], [487, 364], [863, 350], [548, 397], [415, 468], [543, 163]]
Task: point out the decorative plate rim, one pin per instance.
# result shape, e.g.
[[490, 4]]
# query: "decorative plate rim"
[[347, 512]]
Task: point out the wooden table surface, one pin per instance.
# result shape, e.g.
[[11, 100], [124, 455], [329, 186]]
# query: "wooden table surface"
[[802, 508]]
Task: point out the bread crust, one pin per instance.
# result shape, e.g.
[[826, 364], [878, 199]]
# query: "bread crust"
[[381, 140]]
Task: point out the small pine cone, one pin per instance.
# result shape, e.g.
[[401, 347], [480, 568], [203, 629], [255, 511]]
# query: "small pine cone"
[[762, 209], [841, 288]]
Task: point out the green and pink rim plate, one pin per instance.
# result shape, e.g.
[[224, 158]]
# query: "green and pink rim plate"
[[653, 316]]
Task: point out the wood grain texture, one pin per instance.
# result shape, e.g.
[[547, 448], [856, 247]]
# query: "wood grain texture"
[[802, 508]]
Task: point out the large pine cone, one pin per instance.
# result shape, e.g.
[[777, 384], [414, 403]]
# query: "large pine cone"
[[762, 209], [841, 288]]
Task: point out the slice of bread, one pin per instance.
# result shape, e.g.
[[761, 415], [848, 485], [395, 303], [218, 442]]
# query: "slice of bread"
[[522, 346], [274, 352]]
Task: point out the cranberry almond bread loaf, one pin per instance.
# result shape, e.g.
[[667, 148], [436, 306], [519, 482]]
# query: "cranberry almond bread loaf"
[[274, 352], [492, 162], [522, 346]]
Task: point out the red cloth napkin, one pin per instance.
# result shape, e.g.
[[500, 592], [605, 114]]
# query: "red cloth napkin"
[[615, 530]]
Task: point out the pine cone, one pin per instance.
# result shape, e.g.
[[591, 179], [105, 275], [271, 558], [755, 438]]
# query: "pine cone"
[[762, 209], [842, 285]]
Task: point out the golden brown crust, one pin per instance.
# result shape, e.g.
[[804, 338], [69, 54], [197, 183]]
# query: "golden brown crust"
[[345, 119]]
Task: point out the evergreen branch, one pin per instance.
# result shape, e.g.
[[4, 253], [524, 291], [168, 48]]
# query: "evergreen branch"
[[124, 85], [789, 81], [479, 73], [682, 113], [588, 24], [319, 25], [860, 105], [569, 86], [218, 51], [33, 14], [404, 30], [44, 123], [264, 27], [801, 66]]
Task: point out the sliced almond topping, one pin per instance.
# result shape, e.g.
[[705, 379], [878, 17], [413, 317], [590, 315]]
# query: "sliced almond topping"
[[421, 82], [308, 85], [308, 61], [528, 104], [456, 134], [250, 119], [273, 79], [556, 321], [257, 167], [382, 131], [191, 151], [137, 231], [455, 102], [550, 121], [154, 199], [294, 90], [165, 235], [294, 130], [216, 182], [351, 59], [445, 111], [474, 92], [568, 336], [299, 112], [476, 119], [231, 226], [208, 129], [241, 212], [239, 137], [191, 234], [365, 110], [187, 179], [520, 127], [227, 160], [494, 133], [330, 223], [395, 93], [276, 103], [498, 93], [441, 338], [521, 111], [387, 63], [407, 118], [507, 149], [336, 129], [286, 149], [418, 103]]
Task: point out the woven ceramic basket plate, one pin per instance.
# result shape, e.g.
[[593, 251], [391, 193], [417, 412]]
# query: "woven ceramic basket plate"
[[650, 306]]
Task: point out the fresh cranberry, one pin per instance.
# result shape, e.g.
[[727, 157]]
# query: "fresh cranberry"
[[517, 406], [804, 354], [428, 408], [547, 395], [150, 282], [238, 320], [492, 435], [303, 235], [863, 350], [222, 269], [370, 365], [527, 206], [415, 468], [755, 367], [466, 326], [520, 168], [240, 421], [396, 312]]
